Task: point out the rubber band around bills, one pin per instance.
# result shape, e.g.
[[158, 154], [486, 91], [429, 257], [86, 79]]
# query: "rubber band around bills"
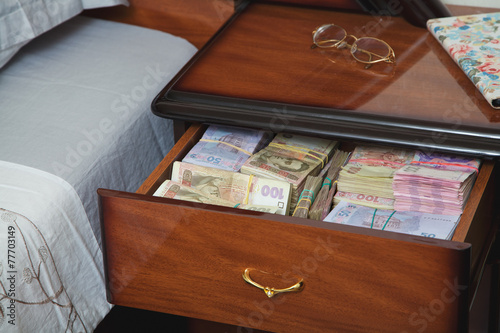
[[325, 183], [228, 144], [450, 164], [305, 197], [248, 189], [301, 150], [385, 224], [306, 208]]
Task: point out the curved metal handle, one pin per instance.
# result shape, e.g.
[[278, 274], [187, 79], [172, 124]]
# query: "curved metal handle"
[[270, 292]]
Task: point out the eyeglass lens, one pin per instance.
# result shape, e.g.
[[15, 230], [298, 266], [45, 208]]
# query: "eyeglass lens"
[[368, 49], [329, 35]]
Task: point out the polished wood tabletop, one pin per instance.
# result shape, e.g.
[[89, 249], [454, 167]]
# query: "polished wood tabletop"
[[263, 68]]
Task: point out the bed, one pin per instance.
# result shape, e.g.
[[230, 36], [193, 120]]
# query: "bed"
[[75, 100]]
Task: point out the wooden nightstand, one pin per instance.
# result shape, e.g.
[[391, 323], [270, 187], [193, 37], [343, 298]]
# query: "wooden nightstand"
[[187, 259]]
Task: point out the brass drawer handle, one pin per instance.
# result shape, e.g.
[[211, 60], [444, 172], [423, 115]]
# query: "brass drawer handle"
[[270, 292]]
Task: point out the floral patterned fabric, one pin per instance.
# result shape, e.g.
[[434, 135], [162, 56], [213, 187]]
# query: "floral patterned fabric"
[[474, 43]]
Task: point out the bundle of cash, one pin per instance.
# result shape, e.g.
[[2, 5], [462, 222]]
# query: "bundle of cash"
[[175, 190], [307, 197], [381, 156], [234, 186], [226, 147], [323, 203], [413, 223], [331, 193], [363, 199], [431, 190], [327, 166], [442, 161], [370, 170], [291, 158]]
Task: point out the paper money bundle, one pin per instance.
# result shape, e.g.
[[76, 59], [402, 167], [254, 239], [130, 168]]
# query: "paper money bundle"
[[323, 202], [443, 161], [308, 196], [175, 190], [431, 190], [234, 186], [412, 223], [363, 199], [371, 169], [291, 158], [435, 182], [227, 147]]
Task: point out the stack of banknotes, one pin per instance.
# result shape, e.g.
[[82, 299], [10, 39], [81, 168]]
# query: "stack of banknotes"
[[234, 186], [227, 147], [308, 196], [291, 158], [364, 200], [316, 199], [435, 183], [369, 174], [407, 222], [175, 190], [378, 187]]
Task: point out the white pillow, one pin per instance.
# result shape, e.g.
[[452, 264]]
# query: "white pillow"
[[23, 20]]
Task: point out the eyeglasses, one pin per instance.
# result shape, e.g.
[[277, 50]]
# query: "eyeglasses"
[[367, 50]]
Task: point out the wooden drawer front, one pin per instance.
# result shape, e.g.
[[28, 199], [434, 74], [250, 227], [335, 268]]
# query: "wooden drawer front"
[[475, 226], [185, 258]]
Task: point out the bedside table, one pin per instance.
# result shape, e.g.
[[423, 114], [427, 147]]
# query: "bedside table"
[[259, 71]]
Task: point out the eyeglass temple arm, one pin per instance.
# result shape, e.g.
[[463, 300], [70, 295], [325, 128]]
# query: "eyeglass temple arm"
[[334, 41]]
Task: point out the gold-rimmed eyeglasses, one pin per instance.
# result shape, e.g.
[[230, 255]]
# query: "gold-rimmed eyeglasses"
[[367, 50]]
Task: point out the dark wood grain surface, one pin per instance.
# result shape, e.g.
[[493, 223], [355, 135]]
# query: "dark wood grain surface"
[[186, 260], [266, 55]]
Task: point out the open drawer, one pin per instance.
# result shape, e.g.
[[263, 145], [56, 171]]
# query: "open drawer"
[[187, 259]]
